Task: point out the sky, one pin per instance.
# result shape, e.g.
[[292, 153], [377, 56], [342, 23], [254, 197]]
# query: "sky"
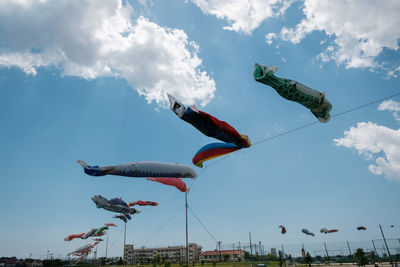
[[88, 80]]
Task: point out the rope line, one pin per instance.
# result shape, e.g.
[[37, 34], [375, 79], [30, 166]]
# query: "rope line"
[[161, 203], [205, 228], [300, 128], [162, 226], [333, 116]]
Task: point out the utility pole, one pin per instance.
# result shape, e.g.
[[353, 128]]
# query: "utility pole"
[[219, 250], [251, 251], [187, 242], [329, 263], [233, 252], [384, 239]]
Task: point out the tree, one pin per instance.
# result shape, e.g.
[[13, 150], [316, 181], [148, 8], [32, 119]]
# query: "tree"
[[280, 258], [157, 259], [308, 259], [167, 263], [271, 257], [246, 255], [226, 257], [290, 258], [359, 257], [372, 257]]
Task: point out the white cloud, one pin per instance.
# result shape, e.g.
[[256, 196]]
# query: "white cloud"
[[270, 38], [378, 143], [391, 105], [90, 39], [243, 15], [360, 29]]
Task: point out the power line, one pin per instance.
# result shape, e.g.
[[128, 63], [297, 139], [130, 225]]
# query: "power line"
[[205, 228]]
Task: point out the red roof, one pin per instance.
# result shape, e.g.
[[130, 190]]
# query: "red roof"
[[223, 252]]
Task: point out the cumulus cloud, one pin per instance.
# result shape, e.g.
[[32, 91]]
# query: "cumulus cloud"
[[392, 106], [378, 143], [243, 15], [91, 39], [360, 29], [269, 38]]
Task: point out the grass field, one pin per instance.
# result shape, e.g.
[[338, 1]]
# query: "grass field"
[[221, 264]]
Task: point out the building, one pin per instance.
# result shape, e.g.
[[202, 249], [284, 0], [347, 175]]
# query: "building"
[[218, 255], [172, 253], [273, 252]]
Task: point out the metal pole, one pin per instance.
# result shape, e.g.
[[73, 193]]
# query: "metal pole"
[[283, 255], [187, 242], [376, 252], [327, 254], [233, 252], [106, 248], [95, 256], [124, 244], [348, 245], [219, 250], [251, 251], [384, 239]]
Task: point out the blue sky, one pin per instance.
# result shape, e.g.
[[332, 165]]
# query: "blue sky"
[[88, 80]]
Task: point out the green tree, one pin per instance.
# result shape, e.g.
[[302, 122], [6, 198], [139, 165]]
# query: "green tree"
[[271, 257], [359, 257], [157, 259], [308, 259], [167, 263], [280, 258], [226, 257], [246, 255]]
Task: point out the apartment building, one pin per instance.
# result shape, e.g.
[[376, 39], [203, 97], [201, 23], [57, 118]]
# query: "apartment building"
[[172, 253], [218, 255]]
